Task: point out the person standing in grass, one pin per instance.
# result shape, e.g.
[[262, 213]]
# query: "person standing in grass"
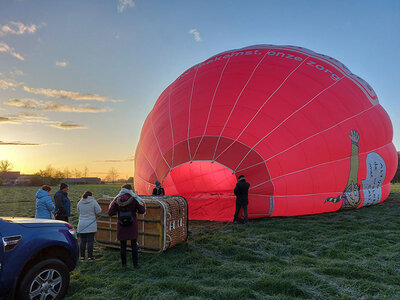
[[242, 197], [126, 204], [63, 205], [88, 209], [158, 190], [44, 205]]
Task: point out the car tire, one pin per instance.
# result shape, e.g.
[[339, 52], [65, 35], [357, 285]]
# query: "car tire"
[[48, 279]]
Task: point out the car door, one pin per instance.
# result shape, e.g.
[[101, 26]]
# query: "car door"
[[1, 259]]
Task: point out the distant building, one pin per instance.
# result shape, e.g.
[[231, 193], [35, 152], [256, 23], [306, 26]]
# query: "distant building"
[[23, 180], [82, 180], [8, 178], [91, 180]]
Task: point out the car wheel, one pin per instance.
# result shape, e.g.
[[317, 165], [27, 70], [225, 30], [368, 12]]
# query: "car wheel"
[[48, 279]]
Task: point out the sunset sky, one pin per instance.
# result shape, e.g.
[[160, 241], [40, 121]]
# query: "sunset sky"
[[78, 77]]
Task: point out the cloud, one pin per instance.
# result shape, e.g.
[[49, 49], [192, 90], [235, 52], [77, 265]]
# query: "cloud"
[[24, 103], [61, 64], [17, 73], [61, 94], [7, 49], [9, 120], [8, 84], [68, 126], [129, 159], [30, 116], [17, 143], [25, 118], [109, 160], [196, 34], [18, 28], [40, 121], [52, 106], [122, 4]]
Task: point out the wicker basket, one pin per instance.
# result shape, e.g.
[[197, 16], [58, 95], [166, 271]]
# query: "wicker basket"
[[162, 226]]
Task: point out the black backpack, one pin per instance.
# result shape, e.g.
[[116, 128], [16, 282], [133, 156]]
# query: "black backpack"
[[125, 218]]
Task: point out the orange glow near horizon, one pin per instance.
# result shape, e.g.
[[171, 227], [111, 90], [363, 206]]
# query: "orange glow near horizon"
[[30, 161]]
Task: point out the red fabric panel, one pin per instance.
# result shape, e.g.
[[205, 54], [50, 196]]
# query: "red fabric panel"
[[207, 186]]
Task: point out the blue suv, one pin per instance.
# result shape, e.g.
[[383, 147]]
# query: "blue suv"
[[36, 257]]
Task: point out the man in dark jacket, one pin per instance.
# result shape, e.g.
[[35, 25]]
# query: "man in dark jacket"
[[63, 205], [158, 190], [242, 197]]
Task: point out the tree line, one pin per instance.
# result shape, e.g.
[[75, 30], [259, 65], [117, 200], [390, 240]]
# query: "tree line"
[[53, 176]]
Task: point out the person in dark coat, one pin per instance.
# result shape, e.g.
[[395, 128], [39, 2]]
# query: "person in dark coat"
[[242, 197], [63, 204], [158, 190], [127, 201]]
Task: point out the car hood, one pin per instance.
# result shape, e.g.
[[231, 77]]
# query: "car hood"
[[32, 222]]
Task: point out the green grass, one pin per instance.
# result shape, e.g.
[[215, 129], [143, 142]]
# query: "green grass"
[[20, 201], [342, 255]]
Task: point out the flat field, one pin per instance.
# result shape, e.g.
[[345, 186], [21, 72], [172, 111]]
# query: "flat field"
[[342, 255]]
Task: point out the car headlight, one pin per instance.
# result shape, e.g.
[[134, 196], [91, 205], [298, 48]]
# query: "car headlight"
[[71, 229]]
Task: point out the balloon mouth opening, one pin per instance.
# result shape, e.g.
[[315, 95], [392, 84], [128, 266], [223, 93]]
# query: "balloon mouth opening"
[[208, 187]]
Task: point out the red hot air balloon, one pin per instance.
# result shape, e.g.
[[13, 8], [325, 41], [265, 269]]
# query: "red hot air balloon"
[[310, 136]]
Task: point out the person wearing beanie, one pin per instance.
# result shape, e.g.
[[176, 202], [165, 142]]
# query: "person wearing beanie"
[[158, 190], [63, 204], [242, 197]]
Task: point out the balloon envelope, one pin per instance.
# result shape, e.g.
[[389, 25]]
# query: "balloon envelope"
[[309, 136]]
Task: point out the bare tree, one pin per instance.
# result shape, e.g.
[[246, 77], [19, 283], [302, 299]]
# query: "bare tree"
[[49, 171], [77, 173], [113, 174], [67, 173], [5, 166], [50, 176], [85, 171]]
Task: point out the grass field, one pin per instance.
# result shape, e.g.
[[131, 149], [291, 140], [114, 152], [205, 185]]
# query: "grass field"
[[342, 255]]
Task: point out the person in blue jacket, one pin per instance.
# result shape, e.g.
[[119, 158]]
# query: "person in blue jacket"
[[44, 205], [63, 204]]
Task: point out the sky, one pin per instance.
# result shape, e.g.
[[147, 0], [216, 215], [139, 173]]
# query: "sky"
[[79, 77]]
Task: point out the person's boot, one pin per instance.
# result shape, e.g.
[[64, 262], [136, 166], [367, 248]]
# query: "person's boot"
[[123, 261]]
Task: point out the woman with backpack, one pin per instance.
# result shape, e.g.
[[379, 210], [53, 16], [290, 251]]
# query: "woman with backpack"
[[126, 204], [88, 209]]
